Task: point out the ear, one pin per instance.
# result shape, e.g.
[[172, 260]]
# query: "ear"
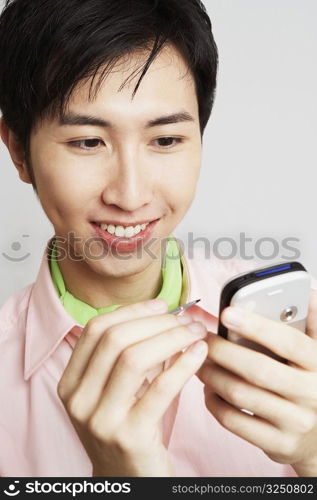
[[16, 151]]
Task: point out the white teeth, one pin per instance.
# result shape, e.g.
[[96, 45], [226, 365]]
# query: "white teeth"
[[122, 232], [119, 231], [111, 229], [129, 232]]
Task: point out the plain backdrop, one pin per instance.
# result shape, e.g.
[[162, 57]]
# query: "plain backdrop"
[[259, 154]]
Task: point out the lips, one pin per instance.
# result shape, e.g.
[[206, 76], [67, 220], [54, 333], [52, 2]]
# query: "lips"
[[121, 244], [124, 224]]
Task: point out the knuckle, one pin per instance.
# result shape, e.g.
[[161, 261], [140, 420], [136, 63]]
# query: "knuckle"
[[93, 328], [137, 309], [181, 335], [97, 429], [306, 422], [260, 373], [235, 394], [75, 408], [131, 361], [114, 339], [126, 441], [288, 448]]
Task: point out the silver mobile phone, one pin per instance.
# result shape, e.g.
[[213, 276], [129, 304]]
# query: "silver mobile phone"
[[279, 292]]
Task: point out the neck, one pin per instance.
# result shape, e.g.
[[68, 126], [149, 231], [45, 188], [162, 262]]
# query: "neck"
[[99, 287]]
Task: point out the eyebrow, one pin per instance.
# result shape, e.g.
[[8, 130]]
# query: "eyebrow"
[[77, 119]]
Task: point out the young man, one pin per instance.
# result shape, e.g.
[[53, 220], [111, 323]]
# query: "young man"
[[98, 379]]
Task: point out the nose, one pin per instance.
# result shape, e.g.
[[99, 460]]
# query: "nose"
[[129, 185]]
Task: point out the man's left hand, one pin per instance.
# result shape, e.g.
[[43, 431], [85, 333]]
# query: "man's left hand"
[[281, 396]]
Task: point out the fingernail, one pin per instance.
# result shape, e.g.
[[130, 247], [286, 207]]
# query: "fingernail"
[[199, 348], [233, 316], [157, 305]]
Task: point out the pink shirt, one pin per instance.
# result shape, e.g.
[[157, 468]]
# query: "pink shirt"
[[37, 438]]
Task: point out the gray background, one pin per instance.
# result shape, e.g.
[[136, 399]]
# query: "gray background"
[[259, 161]]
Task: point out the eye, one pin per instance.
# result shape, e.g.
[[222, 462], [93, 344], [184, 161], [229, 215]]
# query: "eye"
[[91, 144], [168, 142]]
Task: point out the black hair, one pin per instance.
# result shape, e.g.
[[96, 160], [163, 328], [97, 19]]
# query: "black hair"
[[47, 47]]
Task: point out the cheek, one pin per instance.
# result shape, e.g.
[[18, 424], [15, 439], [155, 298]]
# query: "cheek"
[[63, 192], [183, 183]]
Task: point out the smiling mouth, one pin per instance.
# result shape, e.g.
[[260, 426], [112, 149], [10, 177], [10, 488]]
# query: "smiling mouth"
[[125, 224], [123, 231]]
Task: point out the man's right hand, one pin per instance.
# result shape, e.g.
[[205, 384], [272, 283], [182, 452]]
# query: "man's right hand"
[[110, 361]]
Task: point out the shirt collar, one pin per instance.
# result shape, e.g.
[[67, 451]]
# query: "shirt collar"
[[196, 275], [48, 323], [171, 288]]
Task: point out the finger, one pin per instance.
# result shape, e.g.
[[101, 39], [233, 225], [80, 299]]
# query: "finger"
[[284, 340], [263, 371], [92, 334], [311, 326], [280, 412], [164, 388], [131, 367], [113, 343], [207, 363], [253, 429]]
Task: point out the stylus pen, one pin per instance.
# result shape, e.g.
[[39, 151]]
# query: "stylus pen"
[[184, 307]]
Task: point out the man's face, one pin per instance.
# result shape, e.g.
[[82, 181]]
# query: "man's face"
[[126, 171]]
